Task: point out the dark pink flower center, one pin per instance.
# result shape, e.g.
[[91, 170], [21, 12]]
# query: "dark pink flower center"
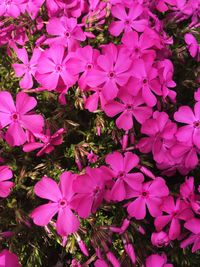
[[67, 34], [89, 66], [63, 203], [15, 116], [111, 74], [136, 50], [58, 68], [144, 81], [127, 22], [144, 194], [196, 124], [121, 175], [129, 107]]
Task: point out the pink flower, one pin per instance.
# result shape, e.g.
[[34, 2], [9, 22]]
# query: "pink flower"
[[161, 132], [193, 225], [112, 71], [89, 189], [48, 142], [145, 80], [139, 45], [60, 202], [8, 259], [149, 194], [156, 260], [5, 186], [190, 132], [28, 68], [18, 117], [10, 8], [66, 30], [130, 107], [160, 239], [123, 179], [53, 67], [192, 45], [92, 157], [175, 212], [162, 5], [127, 21], [92, 102]]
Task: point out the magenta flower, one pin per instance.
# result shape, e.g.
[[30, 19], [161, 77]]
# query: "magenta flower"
[[161, 133], [139, 45], [123, 179], [18, 117], [10, 8], [28, 68], [60, 197], [190, 132], [192, 45], [5, 186], [48, 142], [193, 225], [162, 5], [130, 107], [157, 261], [127, 21], [8, 259], [160, 239], [145, 80], [89, 189], [92, 102], [53, 67], [66, 30], [175, 212], [112, 71], [149, 194]]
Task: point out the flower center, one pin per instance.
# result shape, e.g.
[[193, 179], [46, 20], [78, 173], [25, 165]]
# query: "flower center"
[[111, 74], [127, 22], [96, 190], [15, 116], [63, 203], [129, 107], [89, 66], [144, 81], [67, 34], [58, 68], [144, 193], [196, 124], [121, 175]]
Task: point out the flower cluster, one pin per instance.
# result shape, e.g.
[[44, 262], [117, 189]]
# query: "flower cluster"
[[115, 60]]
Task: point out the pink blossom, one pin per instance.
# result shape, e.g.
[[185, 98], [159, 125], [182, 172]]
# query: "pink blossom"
[[60, 202], [160, 239], [156, 260], [192, 45], [139, 45], [89, 189], [176, 211], [53, 68], [10, 8], [8, 259], [127, 21], [161, 132], [130, 107], [5, 186], [28, 68], [92, 157], [92, 102], [162, 5], [48, 142], [112, 71], [193, 225], [149, 194], [66, 30], [145, 79], [190, 132], [123, 179], [18, 117]]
